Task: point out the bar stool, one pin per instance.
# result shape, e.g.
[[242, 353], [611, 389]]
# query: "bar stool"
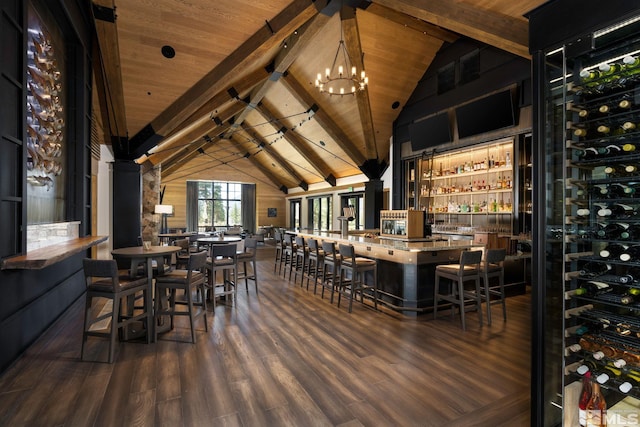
[[182, 257], [330, 268], [279, 243], [223, 258], [288, 253], [189, 280], [248, 256], [315, 257], [493, 266], [299, 260], [103, 280], [357, 267], [468, 269]]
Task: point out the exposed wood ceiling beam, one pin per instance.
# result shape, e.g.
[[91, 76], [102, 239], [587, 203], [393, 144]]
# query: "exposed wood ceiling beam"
[[201, 137], [265, 170], [295, 44], [354, 49], [298, 91], [502, 31], [413, 23], [222, 76], [108, 74], [300, 145], [211, 110], [277, 158]]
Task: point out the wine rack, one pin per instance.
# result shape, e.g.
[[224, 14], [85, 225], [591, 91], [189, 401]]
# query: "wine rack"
[[601, 235]]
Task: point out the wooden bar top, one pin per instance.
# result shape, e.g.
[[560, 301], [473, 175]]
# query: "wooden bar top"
[[44, 257]]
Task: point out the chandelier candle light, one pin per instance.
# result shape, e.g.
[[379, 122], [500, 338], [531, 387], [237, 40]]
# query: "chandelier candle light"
[[335, 81]]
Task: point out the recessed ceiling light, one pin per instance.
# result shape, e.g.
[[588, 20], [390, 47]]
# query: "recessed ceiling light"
[[168, 51], [322, 143], [395, 105]]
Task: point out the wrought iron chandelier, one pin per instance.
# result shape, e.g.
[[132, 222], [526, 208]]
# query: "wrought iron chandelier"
[[342, 77]]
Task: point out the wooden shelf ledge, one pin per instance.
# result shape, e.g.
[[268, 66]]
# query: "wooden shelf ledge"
[[44, 257]]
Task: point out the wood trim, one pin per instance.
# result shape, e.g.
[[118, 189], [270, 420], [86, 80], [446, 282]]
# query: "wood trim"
[[413, 23], [44, 257]]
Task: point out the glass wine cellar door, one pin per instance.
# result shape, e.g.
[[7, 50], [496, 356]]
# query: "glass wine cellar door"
[[587, 253]]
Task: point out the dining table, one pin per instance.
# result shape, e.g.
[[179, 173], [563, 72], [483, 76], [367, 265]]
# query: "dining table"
[[146, 255]]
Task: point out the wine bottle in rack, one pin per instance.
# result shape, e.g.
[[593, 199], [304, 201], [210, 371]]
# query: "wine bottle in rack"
[[617, 210], [632, 169], [594, 288], [614, 191], [632, 274], [632, 253], [593, 269], [615, 171], [608, 372], [629, 297], [631, 233], [629, 147], [579, 129], [612, 250], [585, 396], [612, 231], [613, 150], [630, 380]]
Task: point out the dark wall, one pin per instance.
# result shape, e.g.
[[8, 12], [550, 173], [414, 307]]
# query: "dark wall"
[[33, 299], [497, 70]]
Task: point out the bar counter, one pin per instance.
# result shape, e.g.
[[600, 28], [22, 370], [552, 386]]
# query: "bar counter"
[[406, 268]]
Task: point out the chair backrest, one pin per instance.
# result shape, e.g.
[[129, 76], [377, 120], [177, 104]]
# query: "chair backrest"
[[183, 244], [224, 251], [288, 239], [470, 258], [329, 249], [101, 268], [277, 237], [197, 261], [494, 256], [347, 252], [250, 244], [299, 242], [313, 245]]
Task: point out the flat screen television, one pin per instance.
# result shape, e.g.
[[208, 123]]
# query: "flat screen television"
[[492, 112], [430, 132]]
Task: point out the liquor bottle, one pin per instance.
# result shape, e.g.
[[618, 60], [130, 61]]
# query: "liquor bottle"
[[593, 269], [585, 396], [596, 408], [632, 253], [613, 250]]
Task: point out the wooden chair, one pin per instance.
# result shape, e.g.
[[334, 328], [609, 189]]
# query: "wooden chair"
[[279, 244], [357, 267], [288, 253], [182, 257], [223, 258], [493, 266], [191, 280], [468, 269], [300, 259], [104, 280], [248, 256]]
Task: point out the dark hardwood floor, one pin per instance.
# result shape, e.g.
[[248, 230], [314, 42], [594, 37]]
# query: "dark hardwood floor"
[[282, 358]]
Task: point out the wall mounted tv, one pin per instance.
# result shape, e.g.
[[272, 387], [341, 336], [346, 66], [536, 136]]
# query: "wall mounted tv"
[[492, 112], [430, 132]]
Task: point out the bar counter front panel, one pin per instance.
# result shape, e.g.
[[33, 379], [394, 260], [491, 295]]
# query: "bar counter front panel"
[[406, 268]]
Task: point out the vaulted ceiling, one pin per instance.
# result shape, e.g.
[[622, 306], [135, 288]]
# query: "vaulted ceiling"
[[241, 85]]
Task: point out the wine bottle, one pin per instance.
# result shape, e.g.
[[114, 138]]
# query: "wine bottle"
[[585, 396], [631, 233], [632, 169], [629, 147], [579, 129], [589, 76], [594, 288], [612, 250], [617, 210], [630, 380], [589, 153], [627, 299], [596, 408], [632, 253], [616, 170], [593, 269], [614, 191], [613, 150], [608, 372], [612, 231], [632, 274]]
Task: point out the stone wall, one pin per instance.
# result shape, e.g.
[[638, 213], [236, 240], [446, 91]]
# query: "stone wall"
[[43, 235], [150, 198]]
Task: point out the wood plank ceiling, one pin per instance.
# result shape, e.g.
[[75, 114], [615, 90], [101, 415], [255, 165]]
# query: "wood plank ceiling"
[[240, 88]]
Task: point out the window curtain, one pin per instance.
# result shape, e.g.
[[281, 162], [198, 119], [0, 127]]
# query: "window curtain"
[[192, 205], [249, 207]]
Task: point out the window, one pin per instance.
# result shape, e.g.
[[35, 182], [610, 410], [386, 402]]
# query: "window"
[[320, 213], [295, 213], [446, 78], [219, 204], [355, 201], [470, 66]]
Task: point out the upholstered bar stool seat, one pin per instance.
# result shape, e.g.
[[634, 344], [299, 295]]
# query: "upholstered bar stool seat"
[[356, 267], [467, 270]]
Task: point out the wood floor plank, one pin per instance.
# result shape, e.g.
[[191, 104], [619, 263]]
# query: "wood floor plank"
[[283, 357]]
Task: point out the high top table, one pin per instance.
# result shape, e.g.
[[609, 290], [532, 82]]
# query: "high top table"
[[138, 254]]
